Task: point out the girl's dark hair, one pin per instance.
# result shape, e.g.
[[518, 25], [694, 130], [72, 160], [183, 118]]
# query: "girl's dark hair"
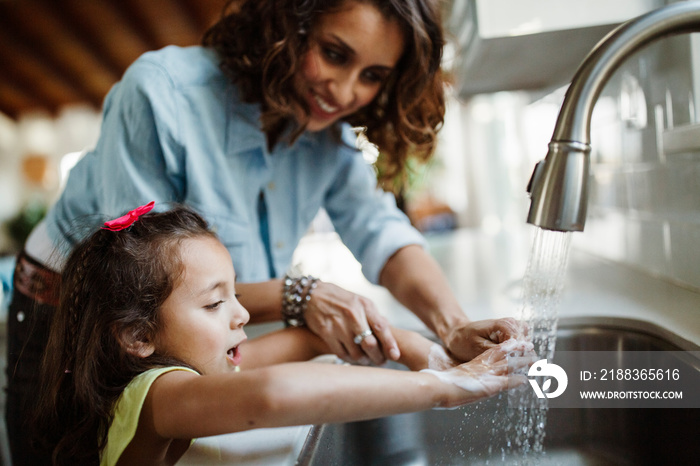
[[261, 43], [112, 288]]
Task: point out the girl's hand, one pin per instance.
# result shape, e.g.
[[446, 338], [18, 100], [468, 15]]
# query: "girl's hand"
[[337, 316], [486, 374]]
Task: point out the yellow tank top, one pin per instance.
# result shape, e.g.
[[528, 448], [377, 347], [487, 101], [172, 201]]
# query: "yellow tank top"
[[127, 412]]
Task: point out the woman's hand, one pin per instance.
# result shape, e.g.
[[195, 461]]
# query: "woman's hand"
[[470, 339], [338, 316], [487, 374], [415, 279]]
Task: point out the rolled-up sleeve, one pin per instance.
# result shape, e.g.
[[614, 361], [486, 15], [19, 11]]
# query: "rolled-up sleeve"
[[366, 218]]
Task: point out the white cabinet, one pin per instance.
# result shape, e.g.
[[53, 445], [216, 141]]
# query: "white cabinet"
[[528, 44]]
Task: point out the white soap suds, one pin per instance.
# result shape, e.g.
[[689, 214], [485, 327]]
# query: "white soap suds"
[[439, 360], [466, 382], [489, 373]]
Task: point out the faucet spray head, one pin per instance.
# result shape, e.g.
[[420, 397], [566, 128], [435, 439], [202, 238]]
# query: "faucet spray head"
[[559, 187]]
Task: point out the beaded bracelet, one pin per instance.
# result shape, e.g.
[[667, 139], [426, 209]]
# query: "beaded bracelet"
[[296, 294]]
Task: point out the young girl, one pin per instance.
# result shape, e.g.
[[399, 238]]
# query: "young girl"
[[147, 351]]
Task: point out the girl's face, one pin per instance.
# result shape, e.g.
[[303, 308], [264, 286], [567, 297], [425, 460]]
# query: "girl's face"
[[351, 54], [202, 321]]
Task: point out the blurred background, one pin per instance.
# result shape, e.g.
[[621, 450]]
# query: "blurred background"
[[510, 63]]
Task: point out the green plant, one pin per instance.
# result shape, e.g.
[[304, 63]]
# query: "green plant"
[[19, 226]]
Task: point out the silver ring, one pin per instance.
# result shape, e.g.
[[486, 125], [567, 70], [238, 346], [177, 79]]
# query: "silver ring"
[[360, 337]]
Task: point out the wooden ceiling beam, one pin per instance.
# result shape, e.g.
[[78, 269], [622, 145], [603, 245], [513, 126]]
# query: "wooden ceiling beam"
[[187, 16], [167, 23], [57, 52], [20, 76], [132, 14], [107, 28], [205, 12], [46, 39], [14, 100], [68, 15], [37, 77]]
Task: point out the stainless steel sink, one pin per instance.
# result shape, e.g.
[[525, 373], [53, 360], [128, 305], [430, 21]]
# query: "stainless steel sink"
[[474, 434]]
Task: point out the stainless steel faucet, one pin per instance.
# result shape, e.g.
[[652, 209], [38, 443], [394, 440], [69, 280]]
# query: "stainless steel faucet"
[[559, 184]]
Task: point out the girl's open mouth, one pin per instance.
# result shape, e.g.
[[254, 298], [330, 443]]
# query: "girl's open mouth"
[[234, 355]]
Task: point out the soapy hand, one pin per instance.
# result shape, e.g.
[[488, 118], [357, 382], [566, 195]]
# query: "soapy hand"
[[472, 338], [488, 373], [439, 360]]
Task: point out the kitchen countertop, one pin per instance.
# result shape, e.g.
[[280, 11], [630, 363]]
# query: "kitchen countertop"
[[486, 272]]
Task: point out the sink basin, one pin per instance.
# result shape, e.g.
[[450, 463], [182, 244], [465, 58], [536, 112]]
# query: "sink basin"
[[474, 434]]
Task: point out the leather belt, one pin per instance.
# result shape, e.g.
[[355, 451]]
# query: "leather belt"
[[36, 281]]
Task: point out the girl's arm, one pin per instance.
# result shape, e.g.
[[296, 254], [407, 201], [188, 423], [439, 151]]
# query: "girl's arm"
[[415, 349], [300, 344], [184, 405], [287, 345]]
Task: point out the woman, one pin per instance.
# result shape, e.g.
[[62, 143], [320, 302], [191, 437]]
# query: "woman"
[[254, 130]]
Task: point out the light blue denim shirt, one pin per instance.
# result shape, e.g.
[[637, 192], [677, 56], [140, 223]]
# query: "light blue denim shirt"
[[175, 130]]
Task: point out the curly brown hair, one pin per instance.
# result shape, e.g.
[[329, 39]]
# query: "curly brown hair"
[[261, 43]]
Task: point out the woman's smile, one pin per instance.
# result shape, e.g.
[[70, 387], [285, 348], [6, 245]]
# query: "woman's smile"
[[325, 107]]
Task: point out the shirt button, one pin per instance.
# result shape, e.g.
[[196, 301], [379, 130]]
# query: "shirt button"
[[271, 186], [279, 244]]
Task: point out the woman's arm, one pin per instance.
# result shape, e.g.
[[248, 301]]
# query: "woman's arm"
[[262, 300], [334, 314], [415, 279]]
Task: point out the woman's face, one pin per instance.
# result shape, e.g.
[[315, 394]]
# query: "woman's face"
[[202, 320], [351, 54]]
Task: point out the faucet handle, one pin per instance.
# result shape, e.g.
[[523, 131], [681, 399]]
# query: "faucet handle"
[[559, 187], [534, 178]]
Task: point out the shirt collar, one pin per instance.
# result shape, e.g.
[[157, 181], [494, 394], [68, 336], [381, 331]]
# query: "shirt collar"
[[244, 129]]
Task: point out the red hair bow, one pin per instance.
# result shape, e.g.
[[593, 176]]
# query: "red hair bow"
[[127, 220]]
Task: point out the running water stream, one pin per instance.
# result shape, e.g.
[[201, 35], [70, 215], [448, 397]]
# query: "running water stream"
[[542, 286]]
